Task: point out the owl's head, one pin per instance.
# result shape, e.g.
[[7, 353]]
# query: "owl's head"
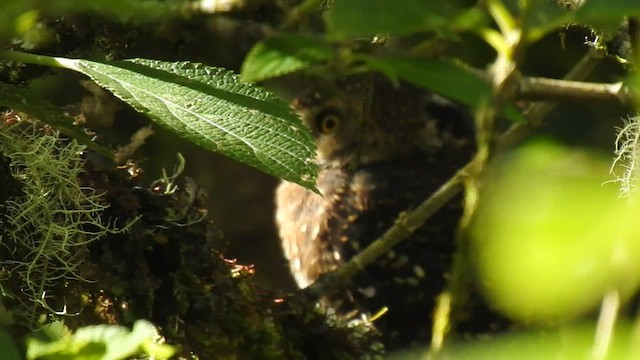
[[366, 119]]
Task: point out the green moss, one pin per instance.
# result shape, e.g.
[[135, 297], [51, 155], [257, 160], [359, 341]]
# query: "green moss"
[[48, 226]]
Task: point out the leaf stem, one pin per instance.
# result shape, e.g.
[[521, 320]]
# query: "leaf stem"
[[501, 15], [493, 38], [19, 56]]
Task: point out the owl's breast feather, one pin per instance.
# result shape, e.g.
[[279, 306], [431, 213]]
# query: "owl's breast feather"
[[303, 217]]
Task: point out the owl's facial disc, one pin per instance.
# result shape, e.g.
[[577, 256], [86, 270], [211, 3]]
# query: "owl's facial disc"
[[367, 122], [336, 135]]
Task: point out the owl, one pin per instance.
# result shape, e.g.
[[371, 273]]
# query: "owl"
[[382, 149]]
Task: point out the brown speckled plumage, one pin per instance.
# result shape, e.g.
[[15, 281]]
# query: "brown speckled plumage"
[[371, 169]]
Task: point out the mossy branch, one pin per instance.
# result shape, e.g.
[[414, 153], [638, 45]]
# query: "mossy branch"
[[49, 225]]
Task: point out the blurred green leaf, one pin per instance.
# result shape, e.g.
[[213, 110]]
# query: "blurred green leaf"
[[365, 18], [607, 10], [14, 18], [536, 18], [26, 101], [8, 348], [550, 239], [542, 17], [633, 82], [442, 77], [135, 10], [212, 108], [101, 342], [435, 75], [566, 343], [18, 16], [283, 54]]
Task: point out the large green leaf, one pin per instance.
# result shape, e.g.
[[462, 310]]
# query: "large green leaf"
[[363, 18], [283, 54], [23, 100], [212, 108]]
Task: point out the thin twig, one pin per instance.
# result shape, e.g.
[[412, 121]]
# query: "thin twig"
[[535, 88], [406, 223], [536, 112], [301, 11], [606, 321]]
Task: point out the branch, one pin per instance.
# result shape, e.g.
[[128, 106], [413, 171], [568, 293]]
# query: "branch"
[[405, 225], [570, 88], [535, 113], [535, 88]]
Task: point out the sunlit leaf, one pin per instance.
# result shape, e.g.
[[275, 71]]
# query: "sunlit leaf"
[[212, 108]]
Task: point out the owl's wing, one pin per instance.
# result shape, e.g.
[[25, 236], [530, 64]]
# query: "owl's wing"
[[303, 219]]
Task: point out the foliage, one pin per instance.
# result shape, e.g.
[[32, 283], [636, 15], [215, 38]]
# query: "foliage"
[[105, 342], [543, 214]]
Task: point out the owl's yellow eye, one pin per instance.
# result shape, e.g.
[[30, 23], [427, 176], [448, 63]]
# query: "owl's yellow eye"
[[328, 121]]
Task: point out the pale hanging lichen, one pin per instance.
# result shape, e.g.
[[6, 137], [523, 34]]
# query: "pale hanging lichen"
[[47, 226], [627, 151]]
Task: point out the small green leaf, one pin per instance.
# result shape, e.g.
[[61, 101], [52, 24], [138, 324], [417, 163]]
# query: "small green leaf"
[[101, 342], [283, 54], [542, 17], [212, 108], [364, 18], [441, 77], [22, 100]]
